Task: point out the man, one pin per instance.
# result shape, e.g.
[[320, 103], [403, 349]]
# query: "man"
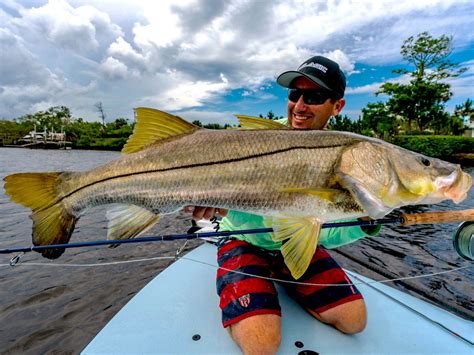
[[249, 304]]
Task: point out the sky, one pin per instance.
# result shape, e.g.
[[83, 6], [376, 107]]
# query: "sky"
[[209, 59]]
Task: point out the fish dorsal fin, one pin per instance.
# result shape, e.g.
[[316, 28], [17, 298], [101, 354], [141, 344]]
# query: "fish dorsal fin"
[[250, 122], [154, 125], [300, 237], [128, 221]]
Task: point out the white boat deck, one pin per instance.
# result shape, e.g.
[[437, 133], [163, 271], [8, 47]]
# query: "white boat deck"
[[181, 303]]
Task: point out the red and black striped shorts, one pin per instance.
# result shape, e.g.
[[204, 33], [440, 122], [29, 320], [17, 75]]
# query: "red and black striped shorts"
[[243, 295]]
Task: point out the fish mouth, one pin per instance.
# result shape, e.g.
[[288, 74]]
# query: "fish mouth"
[[454, 186]]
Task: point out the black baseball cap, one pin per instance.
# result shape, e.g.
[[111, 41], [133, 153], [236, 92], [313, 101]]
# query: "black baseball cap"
[[320, 70]]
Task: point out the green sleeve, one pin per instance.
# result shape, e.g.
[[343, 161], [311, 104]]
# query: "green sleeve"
[[329, 238], [335, 237], [236, 220], [283, 121]]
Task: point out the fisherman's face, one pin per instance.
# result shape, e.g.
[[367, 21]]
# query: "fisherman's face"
[[304, 116]]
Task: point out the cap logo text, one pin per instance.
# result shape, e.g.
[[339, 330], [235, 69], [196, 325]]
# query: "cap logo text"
[[315, 65]]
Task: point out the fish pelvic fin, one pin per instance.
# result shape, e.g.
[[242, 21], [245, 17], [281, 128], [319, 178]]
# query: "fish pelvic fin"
[[299, 237], [153, 126], [128, 221], [251, 122], [52, 224]]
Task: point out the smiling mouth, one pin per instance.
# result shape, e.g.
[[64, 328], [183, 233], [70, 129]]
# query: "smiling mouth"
[[301, 118]]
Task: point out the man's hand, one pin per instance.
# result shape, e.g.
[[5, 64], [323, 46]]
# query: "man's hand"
[[200, 212]]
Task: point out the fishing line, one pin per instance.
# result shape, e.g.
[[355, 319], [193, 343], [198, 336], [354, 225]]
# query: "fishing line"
[[362, 282], [232, 271], [441, 325], [370, 284]]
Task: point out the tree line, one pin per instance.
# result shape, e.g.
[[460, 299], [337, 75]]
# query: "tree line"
[[418, 106], [79, 133], [378, 121]]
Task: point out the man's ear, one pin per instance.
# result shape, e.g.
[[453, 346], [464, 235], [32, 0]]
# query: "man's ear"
[[339, 105]]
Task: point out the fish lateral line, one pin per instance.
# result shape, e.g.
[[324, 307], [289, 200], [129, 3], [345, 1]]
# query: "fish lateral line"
[[192, 166]]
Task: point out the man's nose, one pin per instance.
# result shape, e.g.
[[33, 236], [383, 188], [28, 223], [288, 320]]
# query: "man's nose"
[[300, 105]]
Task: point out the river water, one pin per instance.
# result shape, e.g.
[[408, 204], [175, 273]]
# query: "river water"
[[59, 309]]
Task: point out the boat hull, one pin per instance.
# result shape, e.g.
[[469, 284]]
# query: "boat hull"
[[178, 312]]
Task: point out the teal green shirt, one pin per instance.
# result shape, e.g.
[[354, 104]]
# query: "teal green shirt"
[[283, 121], [329, 237]]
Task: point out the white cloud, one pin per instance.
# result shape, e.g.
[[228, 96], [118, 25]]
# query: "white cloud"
[[374, 87], [183, 55], [342, 59], [78, 29], [163, 26], [123, 50], [464, 84], [206, 117], [365, 89], [4, 17], [113, 68], [223, 78], [24, 82], [187, 93]]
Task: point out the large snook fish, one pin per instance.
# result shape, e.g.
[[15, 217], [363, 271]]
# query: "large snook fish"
[[299, 179]]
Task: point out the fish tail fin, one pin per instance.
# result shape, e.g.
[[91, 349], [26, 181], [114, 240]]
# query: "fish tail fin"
[[52, 224]]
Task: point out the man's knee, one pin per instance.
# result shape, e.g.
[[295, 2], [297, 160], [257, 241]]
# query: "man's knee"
[[349, 318], [260, 334]]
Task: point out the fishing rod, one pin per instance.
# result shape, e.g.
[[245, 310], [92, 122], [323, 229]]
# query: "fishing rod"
[[463, 238]]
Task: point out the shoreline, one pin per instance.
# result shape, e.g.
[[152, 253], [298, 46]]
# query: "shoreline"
[[464, 159], [109, 149]]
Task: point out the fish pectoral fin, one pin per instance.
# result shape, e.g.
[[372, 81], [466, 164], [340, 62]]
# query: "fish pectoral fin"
[[374, 206], [250, 122], [330, 195], [128, 221], [154, 125], [300, 237]]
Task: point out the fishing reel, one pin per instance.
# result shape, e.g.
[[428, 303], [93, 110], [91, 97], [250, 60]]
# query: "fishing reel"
[[463, 240]]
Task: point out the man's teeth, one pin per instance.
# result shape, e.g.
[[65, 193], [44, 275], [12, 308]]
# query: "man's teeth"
[[302, 118]]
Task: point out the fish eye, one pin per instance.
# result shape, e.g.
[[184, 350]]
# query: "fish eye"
[[425, 162]]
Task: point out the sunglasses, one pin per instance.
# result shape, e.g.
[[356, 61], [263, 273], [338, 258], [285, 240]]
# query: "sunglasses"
[[310, 97]]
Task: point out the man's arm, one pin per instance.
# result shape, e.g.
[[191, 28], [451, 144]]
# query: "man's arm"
[[335, 237]]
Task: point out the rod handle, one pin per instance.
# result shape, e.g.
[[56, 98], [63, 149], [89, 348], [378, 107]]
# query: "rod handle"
[[437, 217]]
